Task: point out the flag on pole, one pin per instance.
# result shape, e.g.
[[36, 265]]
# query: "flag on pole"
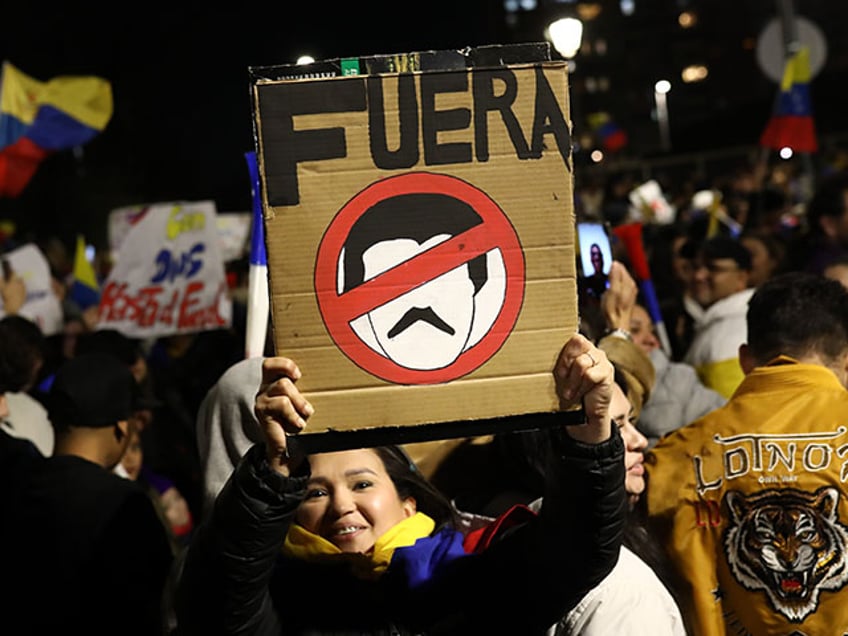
[[791, 125], [258, 305], [38, 118], [85, 289], [630, 234]]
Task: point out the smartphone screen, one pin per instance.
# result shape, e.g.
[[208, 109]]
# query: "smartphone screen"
[[595, 257]]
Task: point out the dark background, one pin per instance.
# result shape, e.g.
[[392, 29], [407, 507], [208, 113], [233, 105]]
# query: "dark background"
[[182, 119]]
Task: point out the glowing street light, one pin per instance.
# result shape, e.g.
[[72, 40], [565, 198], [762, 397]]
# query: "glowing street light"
[[566, 35], [661, 89]]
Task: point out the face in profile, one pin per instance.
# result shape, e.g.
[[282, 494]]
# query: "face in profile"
[[621, 411], [642, 329], [351, 501], [133, 455]]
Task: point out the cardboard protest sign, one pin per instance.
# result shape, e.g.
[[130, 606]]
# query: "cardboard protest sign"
[[419, 226], [169, 276], [42, 305]]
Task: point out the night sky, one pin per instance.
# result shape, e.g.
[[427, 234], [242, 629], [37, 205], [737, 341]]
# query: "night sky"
[[183, 120]]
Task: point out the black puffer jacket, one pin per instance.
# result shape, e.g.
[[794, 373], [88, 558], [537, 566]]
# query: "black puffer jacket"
[[235, 582]]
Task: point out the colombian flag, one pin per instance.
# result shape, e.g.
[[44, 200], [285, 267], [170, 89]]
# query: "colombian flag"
[[85, 290], [792, 125], [38, 118]]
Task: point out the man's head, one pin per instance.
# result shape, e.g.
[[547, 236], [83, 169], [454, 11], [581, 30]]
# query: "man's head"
[[722, 268], [93, 395], [597, 258], [800, 315], [827, 211], [428, 326]]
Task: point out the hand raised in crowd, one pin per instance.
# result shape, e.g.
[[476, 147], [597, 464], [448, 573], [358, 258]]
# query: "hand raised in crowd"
[[583, 373], [281, 410], [619, 299]]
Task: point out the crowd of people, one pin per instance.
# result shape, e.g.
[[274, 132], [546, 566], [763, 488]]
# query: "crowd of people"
[[151, 487]]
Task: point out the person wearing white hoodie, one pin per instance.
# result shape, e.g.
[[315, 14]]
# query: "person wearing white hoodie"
[[718, 303]]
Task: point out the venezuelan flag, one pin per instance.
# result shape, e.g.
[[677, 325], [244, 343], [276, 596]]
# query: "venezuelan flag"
[[85, 290], [612, 137], [792, 124], [38, 118]]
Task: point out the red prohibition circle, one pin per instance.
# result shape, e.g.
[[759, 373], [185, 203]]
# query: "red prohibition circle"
[[338, 310]]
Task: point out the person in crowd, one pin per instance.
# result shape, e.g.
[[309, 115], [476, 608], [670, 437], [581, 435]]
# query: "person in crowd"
[[636, 597], [825, 235], [227, 426], [167, 499], [74, 532], [16, 451], [596, 283], [508, 474], [678, 396], [183, 367], [671, 272], [26, 416], [12, 290], [364, 534], [720, 295], [613, 336], [749, 500], [837, 268], [768, 253]]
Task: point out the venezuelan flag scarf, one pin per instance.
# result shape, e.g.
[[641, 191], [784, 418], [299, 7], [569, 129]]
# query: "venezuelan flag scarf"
[[302, 544]]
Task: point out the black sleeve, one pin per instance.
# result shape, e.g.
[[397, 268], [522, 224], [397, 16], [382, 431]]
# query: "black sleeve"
[[135, 556], [535, 574], [231, 558]]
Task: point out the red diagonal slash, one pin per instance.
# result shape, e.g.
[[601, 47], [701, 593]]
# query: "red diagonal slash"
[[414, 272]]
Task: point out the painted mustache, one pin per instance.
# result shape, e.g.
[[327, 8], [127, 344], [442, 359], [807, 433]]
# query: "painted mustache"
[[414, 315]]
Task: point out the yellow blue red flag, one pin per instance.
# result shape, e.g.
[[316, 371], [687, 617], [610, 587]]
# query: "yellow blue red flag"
[[612, 137], [38, 118], [85, 289], [791, 125]]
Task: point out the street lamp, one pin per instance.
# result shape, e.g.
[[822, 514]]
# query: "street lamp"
[[566, 35], [661, 89]]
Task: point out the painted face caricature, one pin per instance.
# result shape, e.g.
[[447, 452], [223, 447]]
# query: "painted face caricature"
[[428, 326]]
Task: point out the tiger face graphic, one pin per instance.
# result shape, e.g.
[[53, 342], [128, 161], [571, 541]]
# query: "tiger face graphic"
[[788, 543]]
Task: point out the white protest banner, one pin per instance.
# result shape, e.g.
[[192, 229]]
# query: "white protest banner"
[[233, 234], [233, 231], [42, 306], [169, 276]]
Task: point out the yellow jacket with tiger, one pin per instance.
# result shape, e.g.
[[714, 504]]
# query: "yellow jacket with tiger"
[[751, 503]]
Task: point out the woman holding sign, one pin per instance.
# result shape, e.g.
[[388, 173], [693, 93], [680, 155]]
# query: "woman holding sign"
[[357, 541]]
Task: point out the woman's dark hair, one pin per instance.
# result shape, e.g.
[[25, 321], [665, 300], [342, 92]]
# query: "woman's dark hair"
[[409, 482]]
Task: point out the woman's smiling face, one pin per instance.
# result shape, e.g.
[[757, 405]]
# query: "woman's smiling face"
[[350, 500]]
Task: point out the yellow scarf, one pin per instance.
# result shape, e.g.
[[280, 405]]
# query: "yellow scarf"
[[302, 544]]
